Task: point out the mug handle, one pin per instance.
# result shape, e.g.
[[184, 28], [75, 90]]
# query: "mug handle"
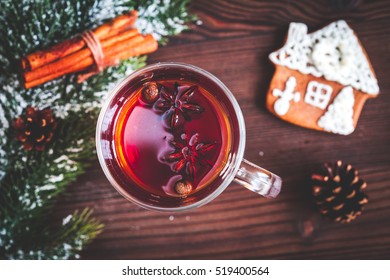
[[258, 180]]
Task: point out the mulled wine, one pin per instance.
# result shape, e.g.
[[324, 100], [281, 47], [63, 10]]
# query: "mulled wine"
[[168, 137], [176, 138]]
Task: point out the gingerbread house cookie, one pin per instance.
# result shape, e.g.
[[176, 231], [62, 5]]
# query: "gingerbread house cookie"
[[322, 79]]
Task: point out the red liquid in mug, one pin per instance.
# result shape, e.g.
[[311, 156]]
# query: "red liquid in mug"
[[155, 153], [147, 149]]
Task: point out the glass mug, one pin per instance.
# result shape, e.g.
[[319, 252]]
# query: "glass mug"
[[171, 137]]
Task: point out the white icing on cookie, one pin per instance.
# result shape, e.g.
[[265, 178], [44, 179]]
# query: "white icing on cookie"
[[332, 52], [282, 105], [318, 94], [339, 116]]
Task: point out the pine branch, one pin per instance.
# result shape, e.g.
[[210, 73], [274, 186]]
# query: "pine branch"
[[163, 18], [65, 241]]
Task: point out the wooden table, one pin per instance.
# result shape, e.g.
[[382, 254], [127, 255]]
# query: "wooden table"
[[233, 43]]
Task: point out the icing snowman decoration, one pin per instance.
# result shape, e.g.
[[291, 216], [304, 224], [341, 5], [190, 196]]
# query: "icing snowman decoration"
[[282, 105]]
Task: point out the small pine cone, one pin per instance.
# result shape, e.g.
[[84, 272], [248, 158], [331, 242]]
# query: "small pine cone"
[[338, 192], [35, 128]]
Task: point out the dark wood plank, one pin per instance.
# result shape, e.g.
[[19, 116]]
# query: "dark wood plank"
[[233, 43]]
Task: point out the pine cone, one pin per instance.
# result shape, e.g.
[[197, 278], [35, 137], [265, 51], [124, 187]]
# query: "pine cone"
[[337, 191], [35, 128]]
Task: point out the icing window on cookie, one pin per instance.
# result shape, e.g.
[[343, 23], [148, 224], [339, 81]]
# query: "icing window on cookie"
[[282, 105], [318, 94], [339, 116]]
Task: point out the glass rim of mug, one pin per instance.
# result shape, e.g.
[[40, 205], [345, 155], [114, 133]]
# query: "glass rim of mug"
[[236, 161]]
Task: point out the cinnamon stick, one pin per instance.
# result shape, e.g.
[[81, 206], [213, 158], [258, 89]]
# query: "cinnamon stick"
[[146, 45], [106, 43], [74, 68], [39, 58], [118, 24], [129, 37]]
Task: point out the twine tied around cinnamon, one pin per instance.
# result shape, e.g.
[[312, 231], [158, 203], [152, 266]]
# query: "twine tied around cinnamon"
[[94, 45]]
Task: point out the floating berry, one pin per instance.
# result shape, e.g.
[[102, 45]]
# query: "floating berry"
[[150, 92], [183, 187]]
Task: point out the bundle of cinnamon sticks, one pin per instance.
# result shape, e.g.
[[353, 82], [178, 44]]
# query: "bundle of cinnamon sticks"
[[118, 40]]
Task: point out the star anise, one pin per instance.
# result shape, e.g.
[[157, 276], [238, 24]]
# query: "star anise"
[[176, 105], [189, 154]]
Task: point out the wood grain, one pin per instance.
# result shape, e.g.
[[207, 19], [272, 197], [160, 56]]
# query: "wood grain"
[[233, 43]]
